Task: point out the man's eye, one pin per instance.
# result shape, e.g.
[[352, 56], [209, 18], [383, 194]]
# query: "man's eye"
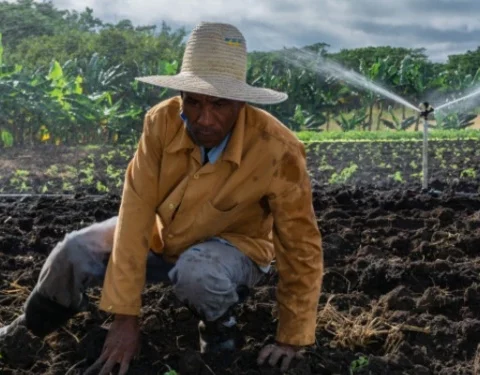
[[191, 101]]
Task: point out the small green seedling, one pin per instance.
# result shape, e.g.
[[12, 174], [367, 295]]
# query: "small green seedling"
[[170, 371], [358, 364]]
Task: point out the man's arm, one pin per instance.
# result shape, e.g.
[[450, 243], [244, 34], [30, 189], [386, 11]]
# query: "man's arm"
[[298, 250], [126, 271]]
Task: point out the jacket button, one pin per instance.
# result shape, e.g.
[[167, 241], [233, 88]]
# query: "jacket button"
[[170, 235], [196, 176], [171, 206]]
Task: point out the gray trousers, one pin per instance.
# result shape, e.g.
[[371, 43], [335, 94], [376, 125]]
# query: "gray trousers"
[[206, 277]]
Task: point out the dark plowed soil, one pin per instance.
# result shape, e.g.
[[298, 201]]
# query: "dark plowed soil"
[[401, 291]]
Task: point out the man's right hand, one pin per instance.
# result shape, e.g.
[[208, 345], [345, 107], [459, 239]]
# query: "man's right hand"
[[121, 345]]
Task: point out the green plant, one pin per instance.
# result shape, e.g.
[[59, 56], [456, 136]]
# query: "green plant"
[[357, 364], [101, 187], [397, 176], [170, 371], [398, 124], [344, 175], [469, 173], [456, 120], [67, 186], [7, 138], [302, 120], [357, 121], [20, 180]]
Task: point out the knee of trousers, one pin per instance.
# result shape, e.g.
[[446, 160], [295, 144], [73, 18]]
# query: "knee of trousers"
[[205, 287], [71, 267]]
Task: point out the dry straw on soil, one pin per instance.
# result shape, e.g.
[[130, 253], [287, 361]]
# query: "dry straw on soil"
[[476, 362], [358, 331]]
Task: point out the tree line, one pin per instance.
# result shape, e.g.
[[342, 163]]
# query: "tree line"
[[67, 77]]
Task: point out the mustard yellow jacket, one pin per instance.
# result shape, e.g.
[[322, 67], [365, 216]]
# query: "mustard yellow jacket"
[[257, 196]]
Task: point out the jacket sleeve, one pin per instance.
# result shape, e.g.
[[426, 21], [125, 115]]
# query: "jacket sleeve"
[[126, 270], [298, 249]]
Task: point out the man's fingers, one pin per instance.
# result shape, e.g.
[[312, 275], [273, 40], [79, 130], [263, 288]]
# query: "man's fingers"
[[108, 366], [127, 358], [124, 366], [274, 353], [275, 356], [286, 360], [300, 354], [93, 369], [264, 353]]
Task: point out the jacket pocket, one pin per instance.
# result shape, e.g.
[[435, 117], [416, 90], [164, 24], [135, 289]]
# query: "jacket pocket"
[[218, 220], [224, 210]]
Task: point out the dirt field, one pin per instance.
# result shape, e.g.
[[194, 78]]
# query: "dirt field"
[[401, 290]]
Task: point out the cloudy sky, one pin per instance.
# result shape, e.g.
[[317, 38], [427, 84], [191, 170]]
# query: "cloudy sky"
[[443, 27]]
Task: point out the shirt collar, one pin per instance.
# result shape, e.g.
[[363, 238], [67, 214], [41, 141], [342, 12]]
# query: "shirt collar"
[[216, 151]]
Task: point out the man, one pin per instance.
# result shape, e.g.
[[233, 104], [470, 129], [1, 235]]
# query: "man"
[[216, 190]]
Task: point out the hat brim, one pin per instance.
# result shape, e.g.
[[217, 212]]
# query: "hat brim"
[[218, 86]]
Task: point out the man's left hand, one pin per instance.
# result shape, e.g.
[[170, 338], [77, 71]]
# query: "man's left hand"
[[276, 352]]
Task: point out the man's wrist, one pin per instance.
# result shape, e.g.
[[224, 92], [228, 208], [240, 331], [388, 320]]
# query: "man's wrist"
[[294, 347], [125, 317]]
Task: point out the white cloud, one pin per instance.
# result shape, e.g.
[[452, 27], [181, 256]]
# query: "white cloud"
[[443, 27]]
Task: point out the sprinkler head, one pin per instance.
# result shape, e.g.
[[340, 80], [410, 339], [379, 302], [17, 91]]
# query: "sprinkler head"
[[425, 109]]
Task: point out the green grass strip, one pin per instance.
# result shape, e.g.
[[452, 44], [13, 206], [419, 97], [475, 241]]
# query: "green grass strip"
[[310, 136]]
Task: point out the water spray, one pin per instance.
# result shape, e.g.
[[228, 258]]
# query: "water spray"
[[320, 65], [425, 110]]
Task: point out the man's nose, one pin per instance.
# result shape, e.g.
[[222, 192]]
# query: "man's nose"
[[206, 117]]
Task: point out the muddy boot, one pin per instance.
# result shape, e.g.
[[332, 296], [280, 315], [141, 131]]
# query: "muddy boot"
[[43, 316], [219, 336], [12, 327]]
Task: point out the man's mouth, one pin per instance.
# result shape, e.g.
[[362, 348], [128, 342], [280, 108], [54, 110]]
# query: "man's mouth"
[[206, 133]]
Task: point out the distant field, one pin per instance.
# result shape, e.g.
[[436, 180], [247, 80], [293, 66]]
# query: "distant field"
[[380, 162]]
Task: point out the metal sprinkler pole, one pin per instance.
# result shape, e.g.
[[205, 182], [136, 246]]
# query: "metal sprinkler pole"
[[426, 109], [425, 155]]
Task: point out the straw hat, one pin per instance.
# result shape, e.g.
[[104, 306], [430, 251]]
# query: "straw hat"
[[215, 64]]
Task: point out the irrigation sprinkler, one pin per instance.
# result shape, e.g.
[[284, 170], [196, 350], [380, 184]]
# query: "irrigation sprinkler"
[[425, 110]]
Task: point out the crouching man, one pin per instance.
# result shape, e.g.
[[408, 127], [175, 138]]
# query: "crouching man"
[[215, 191]]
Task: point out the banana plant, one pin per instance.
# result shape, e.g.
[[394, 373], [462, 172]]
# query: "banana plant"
[[396, 123], [413, 81], [98, 75], [356, 122], [23, 105], [455, 120], [381, 71], [303, 120]]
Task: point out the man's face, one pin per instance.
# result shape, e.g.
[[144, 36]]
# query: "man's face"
[[210, 118]]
